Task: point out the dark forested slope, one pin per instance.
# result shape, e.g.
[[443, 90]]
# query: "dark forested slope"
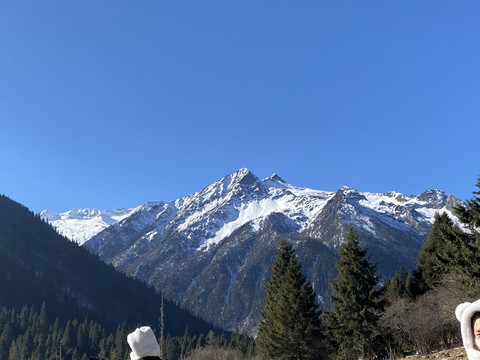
[[37, 265]]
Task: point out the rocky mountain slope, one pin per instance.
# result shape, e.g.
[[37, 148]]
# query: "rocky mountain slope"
[[212, 251]]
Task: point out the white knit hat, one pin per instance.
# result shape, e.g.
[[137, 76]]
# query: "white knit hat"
[[143, 343]]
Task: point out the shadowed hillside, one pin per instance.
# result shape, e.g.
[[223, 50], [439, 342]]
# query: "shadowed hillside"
[[37, 264]]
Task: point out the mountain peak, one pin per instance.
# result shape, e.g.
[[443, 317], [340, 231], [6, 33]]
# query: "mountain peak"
[[244, 177], [277, 178], [242, 171], [48, 215], [433, 192], [78, 213], [347, 190], [274, 181], [435, 198], [350, 194]]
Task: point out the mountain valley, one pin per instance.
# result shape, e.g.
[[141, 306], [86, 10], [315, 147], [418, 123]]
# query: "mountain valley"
[[211, 252]]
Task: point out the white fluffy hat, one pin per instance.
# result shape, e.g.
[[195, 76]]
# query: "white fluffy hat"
[[143, 343], [464, 313]]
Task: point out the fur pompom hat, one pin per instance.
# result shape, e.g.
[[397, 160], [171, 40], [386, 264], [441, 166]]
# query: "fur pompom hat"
[[464, 313], [143, 343]]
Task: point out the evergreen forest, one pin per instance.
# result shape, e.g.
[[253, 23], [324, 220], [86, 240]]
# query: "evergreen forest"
[[27, 334]]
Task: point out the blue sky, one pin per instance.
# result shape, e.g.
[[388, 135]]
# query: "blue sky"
[[111, 104]]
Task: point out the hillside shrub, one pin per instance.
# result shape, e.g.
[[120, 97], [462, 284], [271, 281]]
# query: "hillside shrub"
[[428, 322]]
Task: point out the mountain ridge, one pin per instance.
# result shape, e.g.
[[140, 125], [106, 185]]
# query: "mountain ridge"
[[211, 248], [241, 177]]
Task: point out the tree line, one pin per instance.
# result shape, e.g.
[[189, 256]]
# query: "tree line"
[[27, 335]]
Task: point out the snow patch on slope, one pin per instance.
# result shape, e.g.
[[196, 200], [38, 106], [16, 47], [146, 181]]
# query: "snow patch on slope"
[[248, 212], [282, 198]]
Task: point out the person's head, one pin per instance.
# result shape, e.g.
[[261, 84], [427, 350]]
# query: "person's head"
[[143, 344], [476, 325]]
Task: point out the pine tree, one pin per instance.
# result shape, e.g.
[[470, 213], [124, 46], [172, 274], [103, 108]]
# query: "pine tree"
[[162, 326], [69, 338], [13, 353], [211, 339], [23, 318], [410, 286], [104, 347], [396, 287], [440, 254], [120, 342], [27, 344], [290, 323], [4, 349], [449, 249], [94, 337], [186, 342], [43, 321], [6, 338], [82, 337], [39, 353], [469, 215], [75, 354], [172, 348], [353, 323]]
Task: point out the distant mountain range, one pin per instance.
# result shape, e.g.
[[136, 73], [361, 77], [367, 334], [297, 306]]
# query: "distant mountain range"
[[81, 225], [212, 251]]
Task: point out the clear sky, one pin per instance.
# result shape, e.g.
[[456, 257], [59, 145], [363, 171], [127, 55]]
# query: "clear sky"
[[112, 103]]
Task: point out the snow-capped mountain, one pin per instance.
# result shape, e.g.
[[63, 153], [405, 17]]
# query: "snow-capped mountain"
[[81, 225], [212, 251]]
